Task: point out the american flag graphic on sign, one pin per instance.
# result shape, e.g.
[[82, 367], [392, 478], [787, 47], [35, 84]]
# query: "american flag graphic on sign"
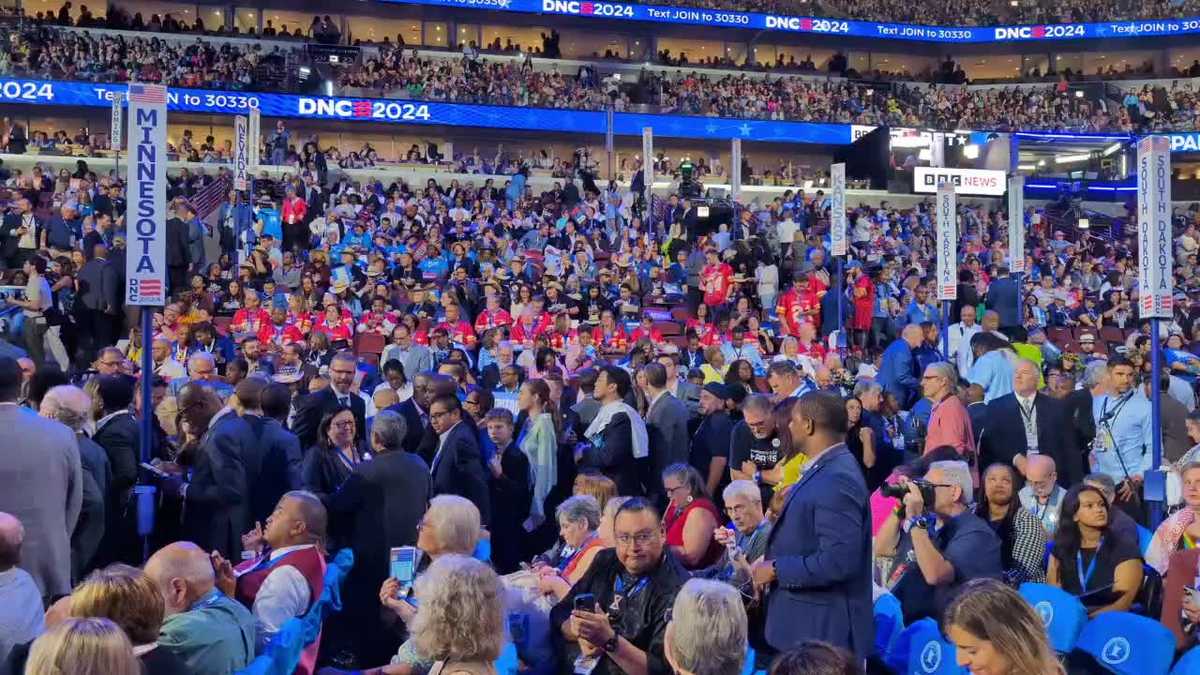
[[148, 93], [150, 287]]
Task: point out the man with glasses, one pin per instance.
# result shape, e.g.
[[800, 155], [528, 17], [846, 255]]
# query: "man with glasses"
[[632, 588], [340, 393], [754, 446], [457, 466], [939, 545], [949, 422], [1042, 495], [746, 541], [202, 369]]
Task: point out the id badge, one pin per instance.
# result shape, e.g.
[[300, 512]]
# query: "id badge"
[[584, 665]]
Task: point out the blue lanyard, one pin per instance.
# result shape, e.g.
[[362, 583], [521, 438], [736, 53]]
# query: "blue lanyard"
[[619, 587], [565, 562], [1085, 577]]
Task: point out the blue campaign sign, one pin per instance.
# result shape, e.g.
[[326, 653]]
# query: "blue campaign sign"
[[823, 26], [42, 92]]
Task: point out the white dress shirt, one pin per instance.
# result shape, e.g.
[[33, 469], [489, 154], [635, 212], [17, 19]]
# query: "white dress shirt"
[[1028, 413], [284, 595], [960, 345]]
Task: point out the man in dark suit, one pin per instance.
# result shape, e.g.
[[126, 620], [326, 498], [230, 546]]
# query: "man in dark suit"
[[1027, 422], [666, 428], [118, 433], [819, 558], [1003, 296], [415, 412], [617, 434], [276, 454], [457, 464], [311, 409], [216, 502], [179, 256], [380, 506], [99, 298], [19, 234]]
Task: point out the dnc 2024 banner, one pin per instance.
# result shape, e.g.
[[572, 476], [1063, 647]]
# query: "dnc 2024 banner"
[[44, 92], [824, 26]]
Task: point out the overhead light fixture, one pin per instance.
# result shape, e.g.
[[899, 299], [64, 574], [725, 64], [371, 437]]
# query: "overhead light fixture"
[[1078, 93], [1084, 224], [1112, 149], [1041, 162], [1026, 167], [1069, 159]]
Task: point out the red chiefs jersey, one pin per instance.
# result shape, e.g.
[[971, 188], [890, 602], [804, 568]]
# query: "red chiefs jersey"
[[270, 334], [717, 282], [615, 341], [249, 321], [488, 320]]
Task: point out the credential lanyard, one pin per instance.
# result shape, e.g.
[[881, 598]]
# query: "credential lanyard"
[[1085, 577]]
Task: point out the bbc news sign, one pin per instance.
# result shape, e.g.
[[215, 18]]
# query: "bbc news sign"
[[1155, 295], [947, 242], [146, 221], [975, 182]]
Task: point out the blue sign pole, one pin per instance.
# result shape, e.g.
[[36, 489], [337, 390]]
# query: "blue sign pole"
[[1156, 505]]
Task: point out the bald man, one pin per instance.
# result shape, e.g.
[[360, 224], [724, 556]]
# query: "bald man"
[[898, 370], [73, 408], [288, 573], [1042, 495], [164, 364], [20, 600], [209, 631], [1029, 422]]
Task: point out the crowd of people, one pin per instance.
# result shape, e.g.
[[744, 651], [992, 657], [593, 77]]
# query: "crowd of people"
[[682, 444]]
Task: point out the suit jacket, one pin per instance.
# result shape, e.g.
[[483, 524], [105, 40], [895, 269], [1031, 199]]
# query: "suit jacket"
[[667, 431], [415, 429], [1005, 435], [178, 235], [217, 502], [9, 239], [378, 507], [311, 409], [458, 469], [1003, 297], [98, 286], [821, 545], [119, 436], [898, 372], [273, 468], [85, 539], [43, 487], [614, 456]]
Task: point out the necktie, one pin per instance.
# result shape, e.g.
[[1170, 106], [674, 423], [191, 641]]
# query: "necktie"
[[344, 400]]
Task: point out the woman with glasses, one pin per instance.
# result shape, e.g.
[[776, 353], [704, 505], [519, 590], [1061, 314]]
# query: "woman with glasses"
[[331, 461], [578, 521], [1089, 557], [690, 518]]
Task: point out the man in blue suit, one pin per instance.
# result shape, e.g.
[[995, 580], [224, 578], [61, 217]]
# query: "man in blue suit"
[[1003, 296], [817, 568], [898, 370]]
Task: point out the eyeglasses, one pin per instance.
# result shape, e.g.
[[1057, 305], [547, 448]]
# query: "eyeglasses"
[[471, 401], [736, 509], [344, 424], [641, 538], [672, 490], [438, 415]]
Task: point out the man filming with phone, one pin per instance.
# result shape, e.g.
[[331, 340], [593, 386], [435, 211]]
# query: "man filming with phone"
[[936, 541], [615, 617]]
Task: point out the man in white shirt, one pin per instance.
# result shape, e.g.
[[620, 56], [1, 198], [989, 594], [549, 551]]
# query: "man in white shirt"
[[786, 381], [960, 338], [164, 365], [282, 581], [786, 231]]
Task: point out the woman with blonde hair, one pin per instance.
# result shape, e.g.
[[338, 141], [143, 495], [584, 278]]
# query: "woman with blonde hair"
[[461, 622], [83, 647], [128, 598], [996, 632], [596, 485]]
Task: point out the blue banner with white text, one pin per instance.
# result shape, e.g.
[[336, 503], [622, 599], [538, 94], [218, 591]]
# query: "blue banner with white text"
[[823, 26], [44, 92]]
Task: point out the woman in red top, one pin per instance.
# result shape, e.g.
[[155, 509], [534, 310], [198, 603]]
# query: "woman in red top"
[[335, 325], [609, 336], [690, 518], [864, 303]]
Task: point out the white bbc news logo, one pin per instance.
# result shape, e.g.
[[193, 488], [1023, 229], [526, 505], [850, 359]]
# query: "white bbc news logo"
[[957, 180]]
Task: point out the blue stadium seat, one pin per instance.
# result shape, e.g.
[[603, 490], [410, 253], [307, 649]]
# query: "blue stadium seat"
[[889, 622], [1128, 644], [508, 663], [1188, 664], [1062, 614], [921, 650], [1144, 537]]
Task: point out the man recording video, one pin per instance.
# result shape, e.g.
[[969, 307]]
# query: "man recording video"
[[936, 541]]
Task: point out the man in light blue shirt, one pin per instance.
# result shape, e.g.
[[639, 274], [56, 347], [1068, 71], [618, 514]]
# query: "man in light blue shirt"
[[993, 369], [737, 348], [921, 309], [1124, 433]]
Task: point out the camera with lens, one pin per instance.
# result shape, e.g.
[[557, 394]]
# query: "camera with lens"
[[898, 490]]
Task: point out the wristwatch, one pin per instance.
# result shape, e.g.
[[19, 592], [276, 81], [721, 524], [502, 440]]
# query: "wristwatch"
[[610, 645]]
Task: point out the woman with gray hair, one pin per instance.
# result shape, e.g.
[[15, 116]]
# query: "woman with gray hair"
[[578, 519], [706, 634], [451, 527]]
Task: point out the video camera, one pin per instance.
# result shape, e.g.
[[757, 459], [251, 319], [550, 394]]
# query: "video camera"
[[898, 490]]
